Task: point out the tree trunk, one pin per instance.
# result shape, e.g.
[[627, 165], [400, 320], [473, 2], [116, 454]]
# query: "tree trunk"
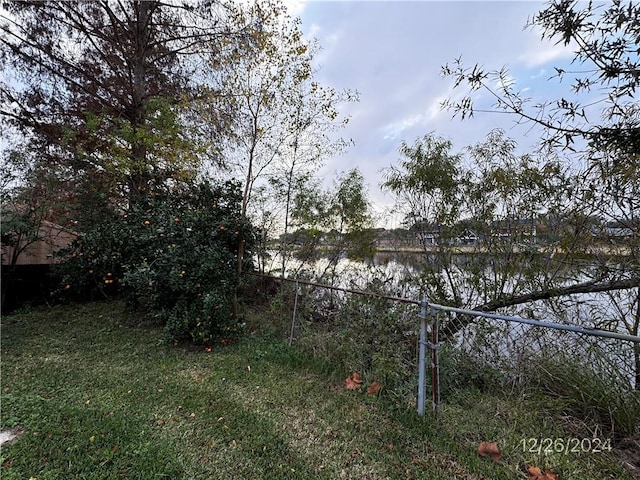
[[636, 358], [137, 115], [459, 322], [636, 346]]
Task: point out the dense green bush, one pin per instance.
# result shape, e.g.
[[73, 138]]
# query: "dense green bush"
[[176, 256]]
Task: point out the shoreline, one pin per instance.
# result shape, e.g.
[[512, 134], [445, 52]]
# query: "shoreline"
[[613, 251], [592, 251]]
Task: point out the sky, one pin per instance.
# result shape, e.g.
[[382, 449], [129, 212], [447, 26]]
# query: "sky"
[[392, 52]]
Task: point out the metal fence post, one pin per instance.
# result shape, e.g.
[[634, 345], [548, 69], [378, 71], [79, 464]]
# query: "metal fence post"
[[422, 360], [293, 318], [428, 313], [435, 369]]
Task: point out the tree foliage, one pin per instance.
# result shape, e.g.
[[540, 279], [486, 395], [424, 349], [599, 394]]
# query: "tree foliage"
[[601, 110], [593, 134], [175, 256], [426, 181], [282, 115], [100, 90], [600, 107], [125, 103], [333, 222]]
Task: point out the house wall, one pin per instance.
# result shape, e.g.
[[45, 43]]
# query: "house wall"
[[54, 237]]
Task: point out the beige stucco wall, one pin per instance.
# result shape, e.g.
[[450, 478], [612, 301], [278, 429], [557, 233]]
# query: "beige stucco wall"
[[53, 238]]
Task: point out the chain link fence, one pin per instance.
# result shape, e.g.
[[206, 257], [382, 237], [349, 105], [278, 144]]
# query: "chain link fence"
[[417, 350]]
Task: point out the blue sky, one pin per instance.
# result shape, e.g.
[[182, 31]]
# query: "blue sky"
[[391, 52]]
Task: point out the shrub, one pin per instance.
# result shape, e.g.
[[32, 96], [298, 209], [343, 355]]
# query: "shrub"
[[459, 370], [373, 336], [176, 256]]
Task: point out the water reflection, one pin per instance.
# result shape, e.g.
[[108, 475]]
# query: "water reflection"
[[405, 266], [497, 341]]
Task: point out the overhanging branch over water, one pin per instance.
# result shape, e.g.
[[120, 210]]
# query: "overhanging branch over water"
[[467, 316]]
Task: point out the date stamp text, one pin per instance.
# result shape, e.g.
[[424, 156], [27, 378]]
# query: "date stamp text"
[[565, 446]]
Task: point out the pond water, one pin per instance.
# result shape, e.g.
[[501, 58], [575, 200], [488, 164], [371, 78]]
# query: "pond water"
[[399, 272]]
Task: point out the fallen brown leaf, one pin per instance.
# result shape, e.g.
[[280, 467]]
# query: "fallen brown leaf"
[[353, 382], [374, 388], [350, 384], [491, 449], [535, 473]]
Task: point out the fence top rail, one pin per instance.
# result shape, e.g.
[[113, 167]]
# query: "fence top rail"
[[474, 313], [557, 326], [341, 289]]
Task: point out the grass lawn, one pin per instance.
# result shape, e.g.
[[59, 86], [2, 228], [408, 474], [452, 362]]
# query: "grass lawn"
[[98, 396]]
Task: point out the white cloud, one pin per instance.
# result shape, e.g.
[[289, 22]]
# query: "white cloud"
[[393, 130], [313, 31], [435, 108], [425, 120], [543, 55], [295, 7], [539, 74]]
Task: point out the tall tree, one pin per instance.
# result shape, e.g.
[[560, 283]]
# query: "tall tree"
[[281, 114], [313, 118], [426, 186], [99, 88]]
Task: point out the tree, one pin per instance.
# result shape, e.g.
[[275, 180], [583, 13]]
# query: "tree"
[[426, 186], [601, 107], [99, 89], [594, 131], [281, 114], [314, 117], [333, 222], [426, 182], [606, 48]]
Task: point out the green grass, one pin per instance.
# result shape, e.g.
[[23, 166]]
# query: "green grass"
[[100, 397]]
